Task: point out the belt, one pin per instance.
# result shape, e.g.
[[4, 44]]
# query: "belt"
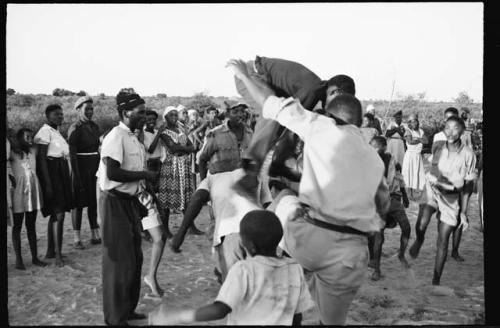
[[62, 158], [331, 226], [87, 154]]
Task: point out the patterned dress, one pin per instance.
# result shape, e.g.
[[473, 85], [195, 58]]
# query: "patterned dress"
[[176, 183]]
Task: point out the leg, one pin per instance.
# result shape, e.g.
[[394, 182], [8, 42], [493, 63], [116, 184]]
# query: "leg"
[[58, 233], [457, 236], [76, 219], [371, 242], [404, 224], [377, 254], [444, 231], [31, 229], [94, 226], [165, 215], [50, 238], [424, 216], [156, 253], [16, 239]]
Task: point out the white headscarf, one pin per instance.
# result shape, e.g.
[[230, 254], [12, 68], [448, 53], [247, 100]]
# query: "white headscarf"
[[168, 110]]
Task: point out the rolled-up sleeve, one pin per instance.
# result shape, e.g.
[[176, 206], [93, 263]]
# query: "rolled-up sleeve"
[[289, 113]]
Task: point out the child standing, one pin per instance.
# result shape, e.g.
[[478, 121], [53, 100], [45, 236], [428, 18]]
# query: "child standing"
[[396, 214], [26, 195], [263, 289], [413, 165]]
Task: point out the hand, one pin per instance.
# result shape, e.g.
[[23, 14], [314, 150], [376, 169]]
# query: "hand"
[[464, 221], [162, 128], [12, 181], [239, 68], [165, 317], [151, 176]]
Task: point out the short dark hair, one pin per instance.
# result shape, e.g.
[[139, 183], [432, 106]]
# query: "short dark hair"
[[343, 82], [456, 119], [380, 140], [452, 110], [20, 133], [346, 107], [51, 108], [151, 112], [263, 228], [238, 106], [369, 116], [211, 108]]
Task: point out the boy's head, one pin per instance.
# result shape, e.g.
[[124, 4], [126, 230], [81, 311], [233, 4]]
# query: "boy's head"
[[346, 107], [25, 137], [151, 118], [211, 113], [368, 119], [379, 143], [261, 232], [338, 85], [450, 111], [454, 128], [54, 114], [237, 114]]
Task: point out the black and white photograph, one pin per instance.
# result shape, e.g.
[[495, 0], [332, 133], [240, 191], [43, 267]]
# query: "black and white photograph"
[[245, 164]]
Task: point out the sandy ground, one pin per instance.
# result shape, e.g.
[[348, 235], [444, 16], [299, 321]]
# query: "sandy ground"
[[72, 295]]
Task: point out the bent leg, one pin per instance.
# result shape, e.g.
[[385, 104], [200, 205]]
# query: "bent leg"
[[444, 231], [424, 216]]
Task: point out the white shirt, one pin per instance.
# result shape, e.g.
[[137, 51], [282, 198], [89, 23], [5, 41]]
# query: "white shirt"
[[229, 207], [341, 172], [148, 140], [57, 145], [263, 290], [123, 146]]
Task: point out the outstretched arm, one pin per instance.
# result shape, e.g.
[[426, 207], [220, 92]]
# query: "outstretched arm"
[[258, 90], [214, 311], [198, 200]]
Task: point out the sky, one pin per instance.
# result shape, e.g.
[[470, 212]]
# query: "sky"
[[180, 49]]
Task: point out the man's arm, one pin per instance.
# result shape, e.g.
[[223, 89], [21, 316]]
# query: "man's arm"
[[207, 151], [214, 311], [116, 173]]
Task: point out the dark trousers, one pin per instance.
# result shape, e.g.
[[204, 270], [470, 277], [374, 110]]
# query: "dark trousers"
[[121, 258]]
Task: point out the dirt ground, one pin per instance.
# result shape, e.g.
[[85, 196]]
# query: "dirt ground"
[[72, 295]]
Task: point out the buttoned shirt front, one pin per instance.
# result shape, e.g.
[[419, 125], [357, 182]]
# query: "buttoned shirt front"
[[455, 167], [222, 150], [123, 146], [56, 144], [148, 140], [341, 172]]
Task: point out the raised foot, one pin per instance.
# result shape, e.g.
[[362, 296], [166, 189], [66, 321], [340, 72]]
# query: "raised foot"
[[457, 257], [155, 291]]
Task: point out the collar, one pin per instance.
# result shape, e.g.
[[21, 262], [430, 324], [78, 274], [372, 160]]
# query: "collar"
[[126, 128], [273, 261], [462, 145], [47, 125]]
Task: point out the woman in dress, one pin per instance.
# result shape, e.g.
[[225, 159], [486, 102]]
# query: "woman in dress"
[[395, 135], [26, 196], [176, 184], [54, 174], [367, 127], [413, 165], [83, 139]]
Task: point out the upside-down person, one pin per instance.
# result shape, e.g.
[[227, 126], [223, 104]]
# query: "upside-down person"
[[449, 185], [229, 208], [341, 190]]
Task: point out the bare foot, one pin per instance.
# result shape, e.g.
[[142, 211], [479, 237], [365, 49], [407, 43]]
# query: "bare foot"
[[403, 261], [414, 249], [37, 262], [59, 262], [153, 287], [371, 264], [457, 257], [50, 255], [20, 265], [376, 275]]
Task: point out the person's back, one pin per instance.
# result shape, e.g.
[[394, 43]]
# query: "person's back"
[[263, 290]]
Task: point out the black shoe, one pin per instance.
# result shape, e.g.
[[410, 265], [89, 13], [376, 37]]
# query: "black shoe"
[[136, 316]]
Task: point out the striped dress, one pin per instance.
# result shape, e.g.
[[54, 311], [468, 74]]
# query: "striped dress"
[[176, 184]]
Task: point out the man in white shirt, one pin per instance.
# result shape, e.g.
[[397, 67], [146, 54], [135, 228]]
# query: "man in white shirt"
[[228, 208], [342, 195], [120, 171]]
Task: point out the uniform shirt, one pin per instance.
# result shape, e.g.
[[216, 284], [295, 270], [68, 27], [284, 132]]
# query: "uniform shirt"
[[57, 145], [456, 167], [341, 172], [123, 146], [148, 140], [263, 290], [222, 150], [83, 137], [228, 206]]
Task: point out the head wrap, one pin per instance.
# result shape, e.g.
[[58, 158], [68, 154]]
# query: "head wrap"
[[370, 108], [168, 110], [191, 111], [128, 101], [398, 113], [413, 117], [83, 100], [180, 107]]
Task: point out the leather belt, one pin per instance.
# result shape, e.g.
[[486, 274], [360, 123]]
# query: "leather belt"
[[331, 226], [87, 154]]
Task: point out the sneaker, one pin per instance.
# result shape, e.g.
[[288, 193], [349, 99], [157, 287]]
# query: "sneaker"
[[78, 245]]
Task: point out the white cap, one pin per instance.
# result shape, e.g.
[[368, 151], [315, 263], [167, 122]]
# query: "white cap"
[[370, 108], [168, 110]]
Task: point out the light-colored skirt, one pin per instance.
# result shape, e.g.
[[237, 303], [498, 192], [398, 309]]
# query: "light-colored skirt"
[[27, 196], [396, 147], [413, 170]]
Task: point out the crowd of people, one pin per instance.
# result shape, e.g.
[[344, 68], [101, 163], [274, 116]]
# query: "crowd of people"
[[284, 240]]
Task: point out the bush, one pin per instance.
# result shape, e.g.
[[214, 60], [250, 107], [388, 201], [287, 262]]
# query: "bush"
[[81, 93], [58, 92], [10, 92]]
